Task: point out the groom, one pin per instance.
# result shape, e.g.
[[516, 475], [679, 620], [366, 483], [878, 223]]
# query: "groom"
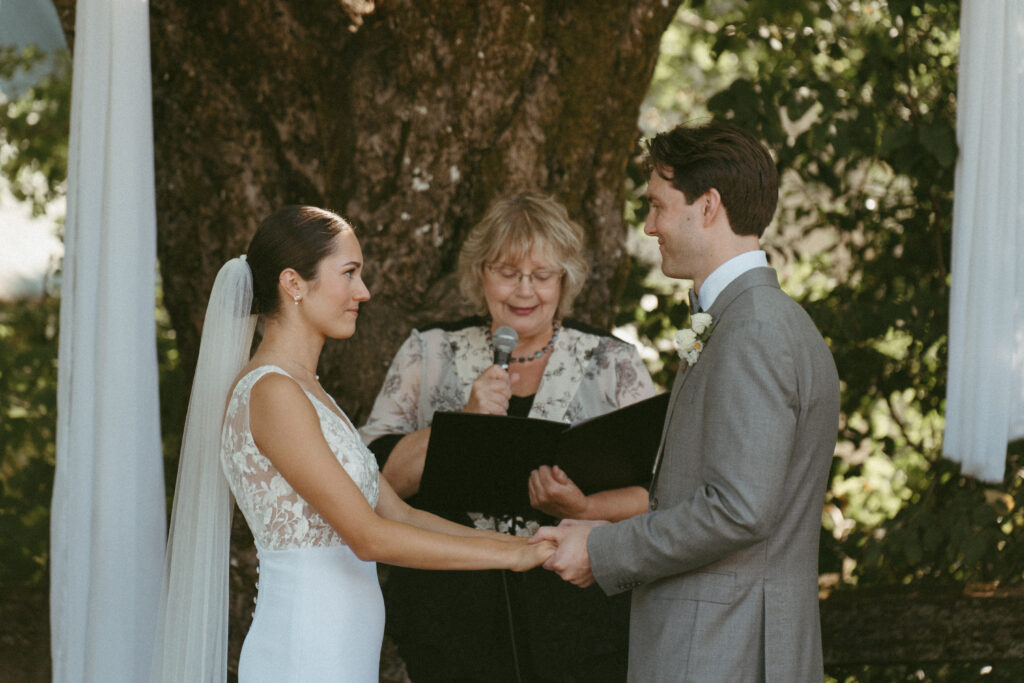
[[723, 567]]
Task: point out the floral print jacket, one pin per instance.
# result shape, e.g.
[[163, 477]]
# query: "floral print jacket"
[[590, 372]]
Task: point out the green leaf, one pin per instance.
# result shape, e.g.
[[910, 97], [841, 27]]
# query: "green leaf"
[[940, 141]]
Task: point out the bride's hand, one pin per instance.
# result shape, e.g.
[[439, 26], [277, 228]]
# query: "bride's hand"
[[490, 392], [530, 555]]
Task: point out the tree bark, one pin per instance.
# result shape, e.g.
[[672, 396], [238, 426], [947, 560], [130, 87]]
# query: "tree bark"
[[408, 119]]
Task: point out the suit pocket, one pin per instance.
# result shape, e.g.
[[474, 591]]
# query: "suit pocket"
[[717, 587]]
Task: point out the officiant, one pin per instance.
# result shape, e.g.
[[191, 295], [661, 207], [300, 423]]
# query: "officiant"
[[521, 266]]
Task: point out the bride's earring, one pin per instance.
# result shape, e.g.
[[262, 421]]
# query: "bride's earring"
[[297, 298]]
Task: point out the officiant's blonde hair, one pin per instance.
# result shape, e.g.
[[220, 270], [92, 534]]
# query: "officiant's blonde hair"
[[509, 231]]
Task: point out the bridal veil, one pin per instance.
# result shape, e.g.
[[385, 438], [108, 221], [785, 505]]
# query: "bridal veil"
[[192, 632]]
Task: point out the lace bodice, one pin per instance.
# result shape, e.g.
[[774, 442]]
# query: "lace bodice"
[[277, 515]]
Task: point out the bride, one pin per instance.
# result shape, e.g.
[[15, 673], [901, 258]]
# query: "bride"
[[309, 489]]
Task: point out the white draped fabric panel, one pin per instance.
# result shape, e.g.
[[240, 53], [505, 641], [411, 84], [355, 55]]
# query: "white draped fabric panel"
[[985, 395], [107, 526]]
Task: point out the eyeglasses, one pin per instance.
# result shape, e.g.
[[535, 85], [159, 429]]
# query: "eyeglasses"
[[543, 278]]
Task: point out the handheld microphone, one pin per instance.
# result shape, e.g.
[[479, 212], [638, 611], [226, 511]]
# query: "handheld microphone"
[[504, 340]]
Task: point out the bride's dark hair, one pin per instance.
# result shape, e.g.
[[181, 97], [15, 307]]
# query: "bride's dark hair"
[[296, 237]]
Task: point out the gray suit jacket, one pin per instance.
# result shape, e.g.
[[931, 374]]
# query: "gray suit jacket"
[[724, 566]]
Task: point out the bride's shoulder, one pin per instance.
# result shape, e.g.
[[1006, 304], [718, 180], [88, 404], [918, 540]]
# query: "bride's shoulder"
[[263, 375], [275, 395]]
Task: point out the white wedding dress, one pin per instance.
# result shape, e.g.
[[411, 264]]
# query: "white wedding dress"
[[319, 611]]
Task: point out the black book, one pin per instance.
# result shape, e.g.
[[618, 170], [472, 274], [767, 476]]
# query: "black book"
[[481, 463]]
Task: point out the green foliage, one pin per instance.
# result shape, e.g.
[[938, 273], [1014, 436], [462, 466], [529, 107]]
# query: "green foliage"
[[28, 426], [857, 100], [174, 394], [860, 108], [954, 529], [34, 127]]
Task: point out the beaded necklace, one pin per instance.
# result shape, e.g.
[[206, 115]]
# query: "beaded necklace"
[[555, 327]]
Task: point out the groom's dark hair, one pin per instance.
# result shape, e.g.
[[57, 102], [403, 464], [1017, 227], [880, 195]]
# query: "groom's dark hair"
[[725, 157]]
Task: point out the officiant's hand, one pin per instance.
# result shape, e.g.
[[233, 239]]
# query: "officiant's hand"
[[554, 493], [571, 560], [491, 392]]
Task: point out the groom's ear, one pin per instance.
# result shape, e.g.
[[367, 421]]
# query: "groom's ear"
[[712, 201]]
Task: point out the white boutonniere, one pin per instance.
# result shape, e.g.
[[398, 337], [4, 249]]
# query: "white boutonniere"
[[690, 342]]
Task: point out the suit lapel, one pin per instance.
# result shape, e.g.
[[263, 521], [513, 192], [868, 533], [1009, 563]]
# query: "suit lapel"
[[756, 277], [677, 387]]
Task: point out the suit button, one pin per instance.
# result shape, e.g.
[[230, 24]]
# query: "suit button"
[[654, 502]]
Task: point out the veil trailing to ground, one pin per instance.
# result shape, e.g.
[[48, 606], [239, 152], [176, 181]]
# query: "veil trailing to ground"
[[192, 633]]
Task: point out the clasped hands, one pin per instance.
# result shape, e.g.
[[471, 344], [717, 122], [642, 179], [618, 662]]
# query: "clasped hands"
[[571, 560], [553, 492]]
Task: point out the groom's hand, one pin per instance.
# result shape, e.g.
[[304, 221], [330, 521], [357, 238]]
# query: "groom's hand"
[[571, 560]]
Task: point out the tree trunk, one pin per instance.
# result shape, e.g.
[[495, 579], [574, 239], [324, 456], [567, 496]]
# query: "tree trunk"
[[408, 119]]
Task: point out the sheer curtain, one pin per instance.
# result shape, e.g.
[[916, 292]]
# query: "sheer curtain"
[[985, 395], [107, 525]]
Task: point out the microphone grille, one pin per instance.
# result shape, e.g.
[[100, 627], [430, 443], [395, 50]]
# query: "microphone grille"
[[505, 339]]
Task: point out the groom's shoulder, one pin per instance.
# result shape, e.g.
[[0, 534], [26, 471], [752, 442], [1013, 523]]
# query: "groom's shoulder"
[[764, 307]]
